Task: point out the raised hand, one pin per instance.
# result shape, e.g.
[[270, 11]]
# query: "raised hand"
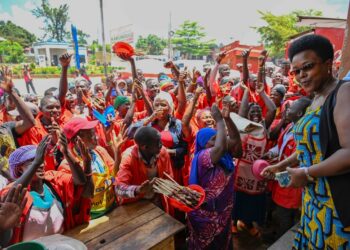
[[243, 86], [112, 80], [225, 112], [54, 131], [169, 65], [121, 138], [221, 56], [198, 92], [65, 59], [182, 77], [195, 75], [206, 78], [260, 87], [84, 151], [215, 112], [41, 150], [125, 56], [63, 143], [137, 91], [11, 207], [245, 54], [98, 104], [6, 84], [265, 54], [110, 129]]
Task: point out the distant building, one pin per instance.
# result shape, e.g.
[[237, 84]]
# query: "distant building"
[[234, 51], [47, 53], [332, 28]]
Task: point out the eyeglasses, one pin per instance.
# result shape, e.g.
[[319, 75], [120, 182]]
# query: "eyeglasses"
[[305, 68]]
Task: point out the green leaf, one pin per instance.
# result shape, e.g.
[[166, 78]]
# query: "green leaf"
[[278, 29]]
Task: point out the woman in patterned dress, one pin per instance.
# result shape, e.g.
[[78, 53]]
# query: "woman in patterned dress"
[[323, 148], [212, 168]]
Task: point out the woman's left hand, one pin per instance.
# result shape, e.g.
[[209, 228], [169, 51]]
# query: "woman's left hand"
[[298, 177]]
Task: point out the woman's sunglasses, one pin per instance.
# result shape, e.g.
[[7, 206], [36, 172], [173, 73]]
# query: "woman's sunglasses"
[[305, 68]]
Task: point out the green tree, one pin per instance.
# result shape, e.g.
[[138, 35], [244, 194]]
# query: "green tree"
[[95, 47], [278, 29], [188, 39], [82, 37], [11, 52], [12, 32], [55, 20], [151, 45]]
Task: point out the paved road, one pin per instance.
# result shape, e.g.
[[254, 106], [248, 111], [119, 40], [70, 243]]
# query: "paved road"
[[43, 84]]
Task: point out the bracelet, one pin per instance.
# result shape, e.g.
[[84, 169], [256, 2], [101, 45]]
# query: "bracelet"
[[309, 177], [109, 143]]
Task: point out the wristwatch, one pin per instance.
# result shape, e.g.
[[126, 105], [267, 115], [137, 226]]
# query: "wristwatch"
[[308, 176]]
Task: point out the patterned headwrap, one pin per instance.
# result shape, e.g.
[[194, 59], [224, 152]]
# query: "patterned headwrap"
[[120, 100], [20, 156], [165, 84]]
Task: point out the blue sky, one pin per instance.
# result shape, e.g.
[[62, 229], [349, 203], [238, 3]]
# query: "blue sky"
[[224, 20]]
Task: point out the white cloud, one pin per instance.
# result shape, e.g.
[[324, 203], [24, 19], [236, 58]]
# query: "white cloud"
[[223, 20]]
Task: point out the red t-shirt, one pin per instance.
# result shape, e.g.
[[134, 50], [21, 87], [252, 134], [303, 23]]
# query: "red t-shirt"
[[132, 171], [286, 197]]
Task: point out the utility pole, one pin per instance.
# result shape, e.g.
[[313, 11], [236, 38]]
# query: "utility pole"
[[170, 34], [104, 54], [345, 57]]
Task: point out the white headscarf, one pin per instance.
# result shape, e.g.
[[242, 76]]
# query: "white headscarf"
[[167, 97]]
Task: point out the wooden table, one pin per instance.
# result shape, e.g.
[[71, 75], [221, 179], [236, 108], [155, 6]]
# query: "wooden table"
[[139, 225]]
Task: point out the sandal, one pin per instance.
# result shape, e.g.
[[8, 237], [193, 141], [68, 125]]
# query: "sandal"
[[241, 225], [255, 232], [234, 229]]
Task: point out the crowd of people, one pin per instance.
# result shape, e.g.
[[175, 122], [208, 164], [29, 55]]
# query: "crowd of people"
[[80, 151]]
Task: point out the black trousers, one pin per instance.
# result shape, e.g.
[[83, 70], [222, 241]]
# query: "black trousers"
[[287, 217], [30, 83]]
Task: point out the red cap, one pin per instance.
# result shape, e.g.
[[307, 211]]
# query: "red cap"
[[72, 127]]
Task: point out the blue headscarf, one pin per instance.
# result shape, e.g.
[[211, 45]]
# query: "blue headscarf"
[[202, 138]]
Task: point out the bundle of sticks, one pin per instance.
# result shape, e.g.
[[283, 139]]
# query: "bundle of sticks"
[[171, 189]]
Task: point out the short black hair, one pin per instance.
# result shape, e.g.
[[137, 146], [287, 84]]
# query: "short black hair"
[[319, 44], [45, 99], [303, 103], [285, 62], [227, 98], [252, 104], [50, 91], [128, 81], [146, 136]]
